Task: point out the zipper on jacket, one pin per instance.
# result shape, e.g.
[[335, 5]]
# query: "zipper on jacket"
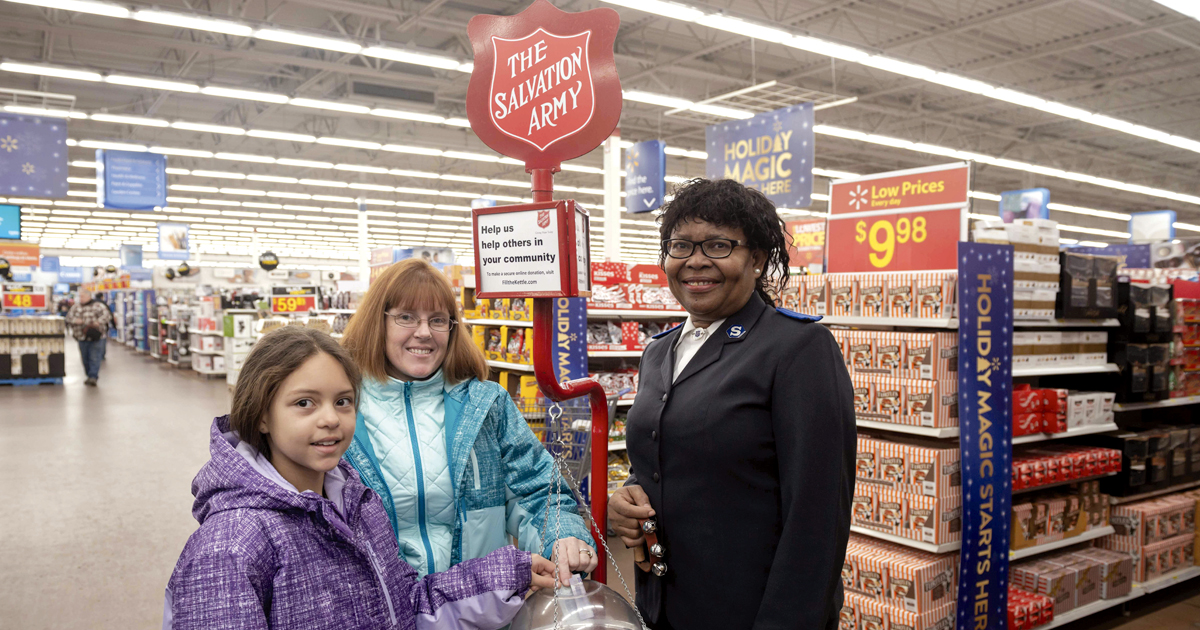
[[387, 595], [416, 449], [475, 467]]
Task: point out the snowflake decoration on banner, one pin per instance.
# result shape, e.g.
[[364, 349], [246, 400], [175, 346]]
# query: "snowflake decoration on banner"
[[27, 168], [8, 143]]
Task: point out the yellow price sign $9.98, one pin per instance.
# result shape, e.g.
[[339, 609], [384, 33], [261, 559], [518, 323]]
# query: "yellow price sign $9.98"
[[884, 234]]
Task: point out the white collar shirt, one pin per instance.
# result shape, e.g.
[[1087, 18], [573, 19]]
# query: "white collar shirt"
[[690, 340]]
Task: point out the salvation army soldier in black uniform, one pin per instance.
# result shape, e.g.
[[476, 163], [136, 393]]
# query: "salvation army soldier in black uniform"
[[742, 435]]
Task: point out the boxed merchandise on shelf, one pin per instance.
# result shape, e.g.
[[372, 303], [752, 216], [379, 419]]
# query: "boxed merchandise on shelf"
[[1035, 262], [614, 382], [1059, 463], [935, 520], [1028, 610], [1160, 534], [638, 287], [900, 295], [929, 356], [1153, 459], [909, 465], [907, 587], [611, 335], [1088, 286], [1077, 578], [1057, 515], [911, 402], [518, 345], [32, 347]]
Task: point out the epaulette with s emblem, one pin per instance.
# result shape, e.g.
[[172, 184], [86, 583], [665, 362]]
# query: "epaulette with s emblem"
[[665, 332], [799, 316]]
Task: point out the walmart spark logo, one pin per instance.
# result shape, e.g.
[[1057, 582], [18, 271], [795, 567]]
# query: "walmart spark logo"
[[8, 143]]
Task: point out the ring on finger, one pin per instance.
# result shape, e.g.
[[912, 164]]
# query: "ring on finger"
[[587, 551]]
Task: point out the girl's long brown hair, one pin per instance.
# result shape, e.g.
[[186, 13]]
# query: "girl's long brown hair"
[[411, 285], [273, 359]]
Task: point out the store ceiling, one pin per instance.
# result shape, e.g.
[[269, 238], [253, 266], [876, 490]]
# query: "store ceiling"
[[1132, 60]]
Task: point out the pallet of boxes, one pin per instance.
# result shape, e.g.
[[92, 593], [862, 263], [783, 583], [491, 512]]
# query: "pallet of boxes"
[[32, 348], [1159, 534]]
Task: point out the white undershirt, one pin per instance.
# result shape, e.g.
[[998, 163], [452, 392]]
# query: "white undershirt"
[[689, 344]]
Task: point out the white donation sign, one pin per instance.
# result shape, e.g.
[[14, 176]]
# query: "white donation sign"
[[532, 250]]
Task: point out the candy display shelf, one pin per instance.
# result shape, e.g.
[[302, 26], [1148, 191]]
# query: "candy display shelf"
[[1091, 534], [504, 365], [1158, 404], [1066, 323], [1084, 430], [597, 313], [913, 322], [1063, 483], [943, 432], [1066, 369], [498, 322], [907, 542]]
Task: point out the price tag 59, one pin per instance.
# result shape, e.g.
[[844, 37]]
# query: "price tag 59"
[[291, 304], [883, 235]]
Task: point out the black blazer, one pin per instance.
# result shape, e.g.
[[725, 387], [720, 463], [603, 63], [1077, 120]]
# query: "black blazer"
[[748, 460]]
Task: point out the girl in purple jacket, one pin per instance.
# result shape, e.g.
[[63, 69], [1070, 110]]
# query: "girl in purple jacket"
[[290, 538]]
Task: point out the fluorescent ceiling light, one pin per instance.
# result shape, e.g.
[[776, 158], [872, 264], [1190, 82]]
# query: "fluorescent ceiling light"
[[311, 41], [346, 142], [1189, 8], [657, 99], [304, 163], [130, 120], [665, 9], [401, 148], [50, 71], [80, 6], [181, 152], [43, 111], [247, 95], [415, 58], [153, 84], [207, 128], [417, 116], [458, 122], [281, 135], [193, 22], [242, 157], [330, 105], [114, 146]]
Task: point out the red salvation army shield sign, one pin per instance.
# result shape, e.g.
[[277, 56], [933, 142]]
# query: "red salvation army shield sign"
[[545, 87]]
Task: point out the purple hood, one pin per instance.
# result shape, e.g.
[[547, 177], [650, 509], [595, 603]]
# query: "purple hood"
[[267, 556]]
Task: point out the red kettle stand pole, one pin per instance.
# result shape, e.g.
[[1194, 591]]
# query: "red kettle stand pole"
[[543, 367]]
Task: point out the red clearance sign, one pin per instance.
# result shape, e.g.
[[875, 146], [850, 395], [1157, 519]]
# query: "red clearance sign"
[[545, 87], [808, 241], [899, 221]]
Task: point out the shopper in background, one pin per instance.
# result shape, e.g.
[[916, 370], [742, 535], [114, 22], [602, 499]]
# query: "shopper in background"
[[89, 320], [453, 458], [742, 435], [112, 319], [290, 538]]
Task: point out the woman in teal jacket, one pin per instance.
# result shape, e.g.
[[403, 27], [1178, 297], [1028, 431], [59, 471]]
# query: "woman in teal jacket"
[[457, 466]]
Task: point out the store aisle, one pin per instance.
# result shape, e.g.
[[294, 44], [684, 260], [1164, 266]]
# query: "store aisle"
[[97, 503]]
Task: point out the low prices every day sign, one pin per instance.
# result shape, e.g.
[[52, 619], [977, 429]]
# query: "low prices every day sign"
[[24, 296], [293, 299], [898, 221]]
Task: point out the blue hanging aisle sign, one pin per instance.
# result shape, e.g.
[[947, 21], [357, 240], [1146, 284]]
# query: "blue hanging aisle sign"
[[10, 222], [771, 152], [985, 321], [33, 156], [129, 180], [51, 264], [70, 274], [131, 255], [645, 170], [1024, 204]]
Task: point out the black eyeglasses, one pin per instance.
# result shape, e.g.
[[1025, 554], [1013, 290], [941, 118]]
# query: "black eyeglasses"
[[437, 323], [712, 248]]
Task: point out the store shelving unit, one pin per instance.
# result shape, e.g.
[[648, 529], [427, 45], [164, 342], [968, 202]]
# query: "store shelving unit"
[[1085, 430], [901, 322], [943, 432], [1091, 534], [907, 542], [1159, 404], [625, 402], [1066, 369], [498, 322], [1138, 590], [1153, 493], [616, 446], [602, 354], [1063, 483], [1066, 323], [504, 365], [334, 311], [601, 313]]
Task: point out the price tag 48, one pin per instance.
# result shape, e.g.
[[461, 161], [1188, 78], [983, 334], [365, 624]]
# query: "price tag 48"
[[883, 235]]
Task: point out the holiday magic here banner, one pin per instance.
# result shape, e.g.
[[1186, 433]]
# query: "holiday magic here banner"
[[985, 320]]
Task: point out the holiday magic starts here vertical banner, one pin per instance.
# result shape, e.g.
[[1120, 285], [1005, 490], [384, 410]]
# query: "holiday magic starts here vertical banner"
[[985, 321]]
